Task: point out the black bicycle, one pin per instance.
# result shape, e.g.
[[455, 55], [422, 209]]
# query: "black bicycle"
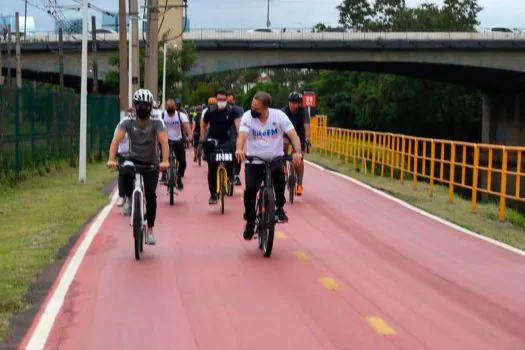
[[265, 218], [171, 172], [139, 220]]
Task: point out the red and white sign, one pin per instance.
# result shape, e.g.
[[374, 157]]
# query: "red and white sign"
[[309, 99]]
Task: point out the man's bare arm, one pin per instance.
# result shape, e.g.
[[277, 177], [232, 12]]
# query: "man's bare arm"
[[117, 139]]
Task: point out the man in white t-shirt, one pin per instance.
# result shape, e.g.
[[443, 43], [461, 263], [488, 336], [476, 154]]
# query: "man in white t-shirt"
[[122, 153], [263, 128], [175, 120]]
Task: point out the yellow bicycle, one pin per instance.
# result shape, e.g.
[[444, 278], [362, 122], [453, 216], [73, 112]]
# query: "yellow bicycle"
[[222, 156]]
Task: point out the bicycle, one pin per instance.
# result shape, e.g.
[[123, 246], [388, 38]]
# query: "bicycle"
[[171, 174], [139, 220], [222, 156], [265, 218], [291, 176]]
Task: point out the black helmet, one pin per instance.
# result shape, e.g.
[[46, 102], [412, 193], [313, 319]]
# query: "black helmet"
[[295, 96]]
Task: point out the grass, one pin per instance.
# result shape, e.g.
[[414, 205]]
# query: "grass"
[[38, 217], [484, 222]]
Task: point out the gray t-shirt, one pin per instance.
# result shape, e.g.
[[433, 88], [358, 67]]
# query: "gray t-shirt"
[[143, 139]]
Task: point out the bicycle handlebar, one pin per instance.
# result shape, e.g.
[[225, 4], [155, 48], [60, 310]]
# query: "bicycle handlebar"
[[140, 166], [285, 157]]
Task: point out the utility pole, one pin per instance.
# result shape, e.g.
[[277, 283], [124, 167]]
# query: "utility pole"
[[9, 54], [123, 95], [94, 52], [82, 158], [1, 65], [152, 66], [17, 52], [133, 12], [25, 21], [268, 23], [61, 58], [130, 63]]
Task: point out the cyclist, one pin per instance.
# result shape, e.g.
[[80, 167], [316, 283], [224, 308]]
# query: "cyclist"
[[174, 121], [263, 128], [301, 122], [122, 153], [220, 117], [196, 130], [240, 111], [144, 132]]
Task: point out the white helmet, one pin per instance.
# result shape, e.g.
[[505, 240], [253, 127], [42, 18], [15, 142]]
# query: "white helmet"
[[143, 95]]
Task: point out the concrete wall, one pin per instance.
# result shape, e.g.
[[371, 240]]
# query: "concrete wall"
[[173, 22]]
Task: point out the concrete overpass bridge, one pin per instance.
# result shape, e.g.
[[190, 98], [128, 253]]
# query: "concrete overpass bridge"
[[491, 61]]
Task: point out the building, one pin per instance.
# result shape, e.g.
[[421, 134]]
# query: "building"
[[11, 20], [73, 26], [112, 22]]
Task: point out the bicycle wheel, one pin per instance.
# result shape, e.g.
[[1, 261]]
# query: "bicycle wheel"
[[291, 182], [259, 219], [137, 225], [269, 223], [221, 190]]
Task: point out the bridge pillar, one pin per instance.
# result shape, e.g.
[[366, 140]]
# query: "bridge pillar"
[[171, 21], [503, 123], [504, 118]]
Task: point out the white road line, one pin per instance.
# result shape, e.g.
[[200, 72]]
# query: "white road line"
[[422, 212], [45, 324]]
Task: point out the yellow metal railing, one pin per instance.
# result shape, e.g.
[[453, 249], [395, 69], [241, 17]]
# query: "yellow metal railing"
[[495, 170]]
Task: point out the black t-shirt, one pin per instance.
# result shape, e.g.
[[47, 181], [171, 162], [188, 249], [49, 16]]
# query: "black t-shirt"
[[220, 122], [298, 120]]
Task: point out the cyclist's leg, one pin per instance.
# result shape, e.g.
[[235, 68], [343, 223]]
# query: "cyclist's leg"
[[121, 191], [254, 175], [195, 146], [180, 154], [128, 177], [300, 171], [212, 173], [150, 187]]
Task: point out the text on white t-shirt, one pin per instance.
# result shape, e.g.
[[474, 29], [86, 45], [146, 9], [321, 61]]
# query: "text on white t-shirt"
[[265, 140]]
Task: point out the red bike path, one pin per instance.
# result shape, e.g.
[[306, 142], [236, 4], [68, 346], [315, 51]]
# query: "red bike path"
[[351, 270]]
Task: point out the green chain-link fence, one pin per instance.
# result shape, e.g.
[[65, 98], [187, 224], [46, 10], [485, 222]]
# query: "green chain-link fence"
[[39, 126]]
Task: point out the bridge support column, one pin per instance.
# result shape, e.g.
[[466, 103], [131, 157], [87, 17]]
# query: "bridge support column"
[[503, 123]]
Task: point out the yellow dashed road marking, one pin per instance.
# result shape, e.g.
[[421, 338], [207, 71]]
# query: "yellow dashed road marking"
[[329, 283], [301, 255], [380, 326]]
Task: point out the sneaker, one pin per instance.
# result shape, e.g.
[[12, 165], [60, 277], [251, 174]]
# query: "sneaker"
[[249, 231], [237, 180], [127, 208], [299, 190], [120, 201], [180, 185], [150, 238], [213, 199], [281, 215]]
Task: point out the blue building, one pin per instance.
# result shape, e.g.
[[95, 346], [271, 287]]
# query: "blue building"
[[112, 22], [71, 26]]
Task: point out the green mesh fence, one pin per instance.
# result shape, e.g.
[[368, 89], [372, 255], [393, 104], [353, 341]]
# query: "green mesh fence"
[[38, 126]]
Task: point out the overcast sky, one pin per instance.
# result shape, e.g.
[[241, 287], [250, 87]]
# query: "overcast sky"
[[252, 13]]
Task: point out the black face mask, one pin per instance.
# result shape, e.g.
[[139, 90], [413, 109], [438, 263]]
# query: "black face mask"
[[143, 113], [255, 114], [170, 110]]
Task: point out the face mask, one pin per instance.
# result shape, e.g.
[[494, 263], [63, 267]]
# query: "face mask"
[[222, 104], [143, 113], [255, 114], [170, 110]]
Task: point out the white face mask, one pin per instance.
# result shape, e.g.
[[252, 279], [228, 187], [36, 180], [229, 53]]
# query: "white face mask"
[[222, 104]]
